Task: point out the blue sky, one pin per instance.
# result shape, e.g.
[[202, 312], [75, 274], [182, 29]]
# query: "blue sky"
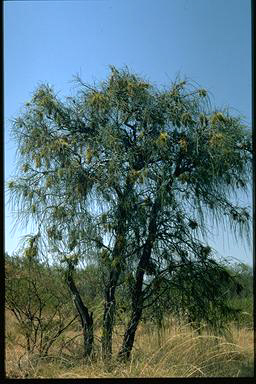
[[208, 41]]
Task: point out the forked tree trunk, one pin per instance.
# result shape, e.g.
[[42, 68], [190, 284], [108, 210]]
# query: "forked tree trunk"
[[109, 314], [110, 290], [108, 321], [137, 306], [117, 256], [85, 316], [137, 297]]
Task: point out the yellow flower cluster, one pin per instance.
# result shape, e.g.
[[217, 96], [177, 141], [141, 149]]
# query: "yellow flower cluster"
[[25, 167], [89, 154], [183, 144], [63, 142], [60, 172], [162, 138], [216, 139], [37, 161], [218, 117], [133, 174], [136, 86], [11, 184], [58, 144], [96, 98], [48, 182]]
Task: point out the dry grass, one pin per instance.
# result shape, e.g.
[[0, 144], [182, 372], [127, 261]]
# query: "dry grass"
[[178, 351]]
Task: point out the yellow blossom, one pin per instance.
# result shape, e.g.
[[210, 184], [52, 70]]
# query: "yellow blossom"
[[184, 145], [37, 161], [218, 117], [96, 98], [216, 139], [25, 167], [48, 182], [89, 154], [163, 136]]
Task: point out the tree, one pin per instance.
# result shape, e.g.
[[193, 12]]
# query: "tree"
[[39, 300], [126, 174], [244, 301]]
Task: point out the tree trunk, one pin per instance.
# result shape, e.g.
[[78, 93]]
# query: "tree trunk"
[[128, 340], [109, 314], [108, 322], [85, 316], [137, 297], [117, 258], [137, 306], [110, 302]]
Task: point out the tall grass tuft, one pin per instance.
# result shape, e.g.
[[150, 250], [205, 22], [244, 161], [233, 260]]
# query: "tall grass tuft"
[[179, 351]]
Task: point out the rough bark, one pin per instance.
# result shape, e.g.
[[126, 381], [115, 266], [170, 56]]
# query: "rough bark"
[[117, 258], [137, 306], [109, 313], [85, 316], [110, 302], [137, 297]]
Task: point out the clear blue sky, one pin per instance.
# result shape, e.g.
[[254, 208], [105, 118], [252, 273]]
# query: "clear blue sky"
[[208, 41]]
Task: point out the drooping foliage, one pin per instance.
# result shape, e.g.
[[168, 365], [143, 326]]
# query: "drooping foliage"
[[129, 175]]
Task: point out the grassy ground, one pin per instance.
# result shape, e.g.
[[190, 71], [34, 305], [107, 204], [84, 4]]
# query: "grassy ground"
[[176, 351]]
